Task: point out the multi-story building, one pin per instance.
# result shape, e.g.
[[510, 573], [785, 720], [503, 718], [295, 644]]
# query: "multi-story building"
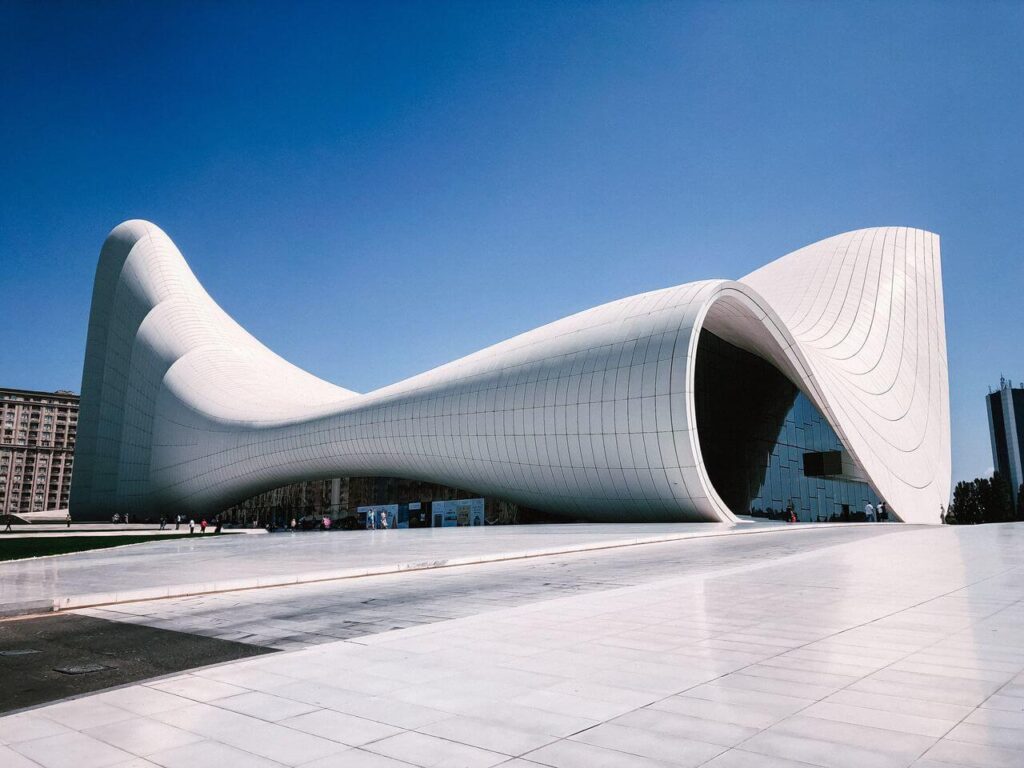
[[37, 447], [1006, 428]]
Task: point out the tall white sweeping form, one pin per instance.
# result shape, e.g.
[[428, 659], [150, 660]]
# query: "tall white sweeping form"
[[592, 416]]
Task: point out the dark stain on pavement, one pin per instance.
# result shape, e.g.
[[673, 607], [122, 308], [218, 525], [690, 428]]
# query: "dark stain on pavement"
[[94, 654]]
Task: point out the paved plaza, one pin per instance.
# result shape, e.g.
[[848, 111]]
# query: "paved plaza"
[[898, 646], [189, 567], [298, 616]]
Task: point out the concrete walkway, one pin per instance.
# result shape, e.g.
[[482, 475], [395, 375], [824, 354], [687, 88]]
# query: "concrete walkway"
[[181, 567], [887, 652], [48, 531]]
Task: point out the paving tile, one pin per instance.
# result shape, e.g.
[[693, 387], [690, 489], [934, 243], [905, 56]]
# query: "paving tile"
[[974, 755], [388, 710], [141, 700], [756, 718], [197, 688], [79, 714], [574, 754], [686, 726], [270, 740], [782, 704], [650, 744], [26, 727], [488, 734], [144, 737], [11, 759], [893, 721], [432, 752], [818, 752], [71, 750], [889, 741], [992, 735], [338, 726], [263, 705], [737, 758], [358, 758], [997, 717], [1005, 703], [210, 754], [901, 704]]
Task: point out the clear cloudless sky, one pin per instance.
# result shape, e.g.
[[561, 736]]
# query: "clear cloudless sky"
[[373, 189]]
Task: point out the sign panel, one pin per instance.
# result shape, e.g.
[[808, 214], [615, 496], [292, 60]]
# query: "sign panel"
[[380, 516], [448, 514]]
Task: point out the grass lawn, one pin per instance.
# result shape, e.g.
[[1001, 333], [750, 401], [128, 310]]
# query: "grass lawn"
[[16, 549]]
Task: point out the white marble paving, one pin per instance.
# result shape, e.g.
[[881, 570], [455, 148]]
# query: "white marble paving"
[[242, 562], [902, 650]]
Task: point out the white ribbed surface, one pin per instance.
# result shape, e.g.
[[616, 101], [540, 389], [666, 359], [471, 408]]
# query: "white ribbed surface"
[[592, 414]]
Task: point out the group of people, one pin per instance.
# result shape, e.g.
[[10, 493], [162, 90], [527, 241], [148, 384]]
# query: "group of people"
[[872, 515], [179, 520]]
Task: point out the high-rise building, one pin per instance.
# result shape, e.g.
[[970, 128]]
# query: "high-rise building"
[[37, 447], [1006, 427]]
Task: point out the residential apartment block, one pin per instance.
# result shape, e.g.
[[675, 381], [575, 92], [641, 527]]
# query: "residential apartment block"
[[37, 448]]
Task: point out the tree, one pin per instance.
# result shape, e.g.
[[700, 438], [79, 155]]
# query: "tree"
[[963, 509], [983, 500], [997, 501]]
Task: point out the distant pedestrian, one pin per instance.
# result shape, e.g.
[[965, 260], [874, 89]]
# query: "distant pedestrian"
[[177, 522], [217, 529], [294, 523], [163, 523], [68, 519], [7, 528], [202, 527], [191, 526], [869, 513], [883, 513]]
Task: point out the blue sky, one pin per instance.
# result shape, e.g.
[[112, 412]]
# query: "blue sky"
[[374, 189]]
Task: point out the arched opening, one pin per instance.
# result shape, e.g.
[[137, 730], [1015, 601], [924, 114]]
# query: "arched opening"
[[765, 445]]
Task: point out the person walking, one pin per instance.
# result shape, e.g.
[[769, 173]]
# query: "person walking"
[[882, 514], [7, 528], [217, 521], [177, 522], [68, 519], [191, 526], [163, 523], [202, 526], [869, 513]]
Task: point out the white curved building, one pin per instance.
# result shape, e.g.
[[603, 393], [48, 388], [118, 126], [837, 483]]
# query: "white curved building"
[[696, 402]]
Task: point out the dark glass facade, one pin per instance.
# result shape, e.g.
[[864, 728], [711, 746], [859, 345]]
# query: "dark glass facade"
[[758, 433], [999, 441]]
